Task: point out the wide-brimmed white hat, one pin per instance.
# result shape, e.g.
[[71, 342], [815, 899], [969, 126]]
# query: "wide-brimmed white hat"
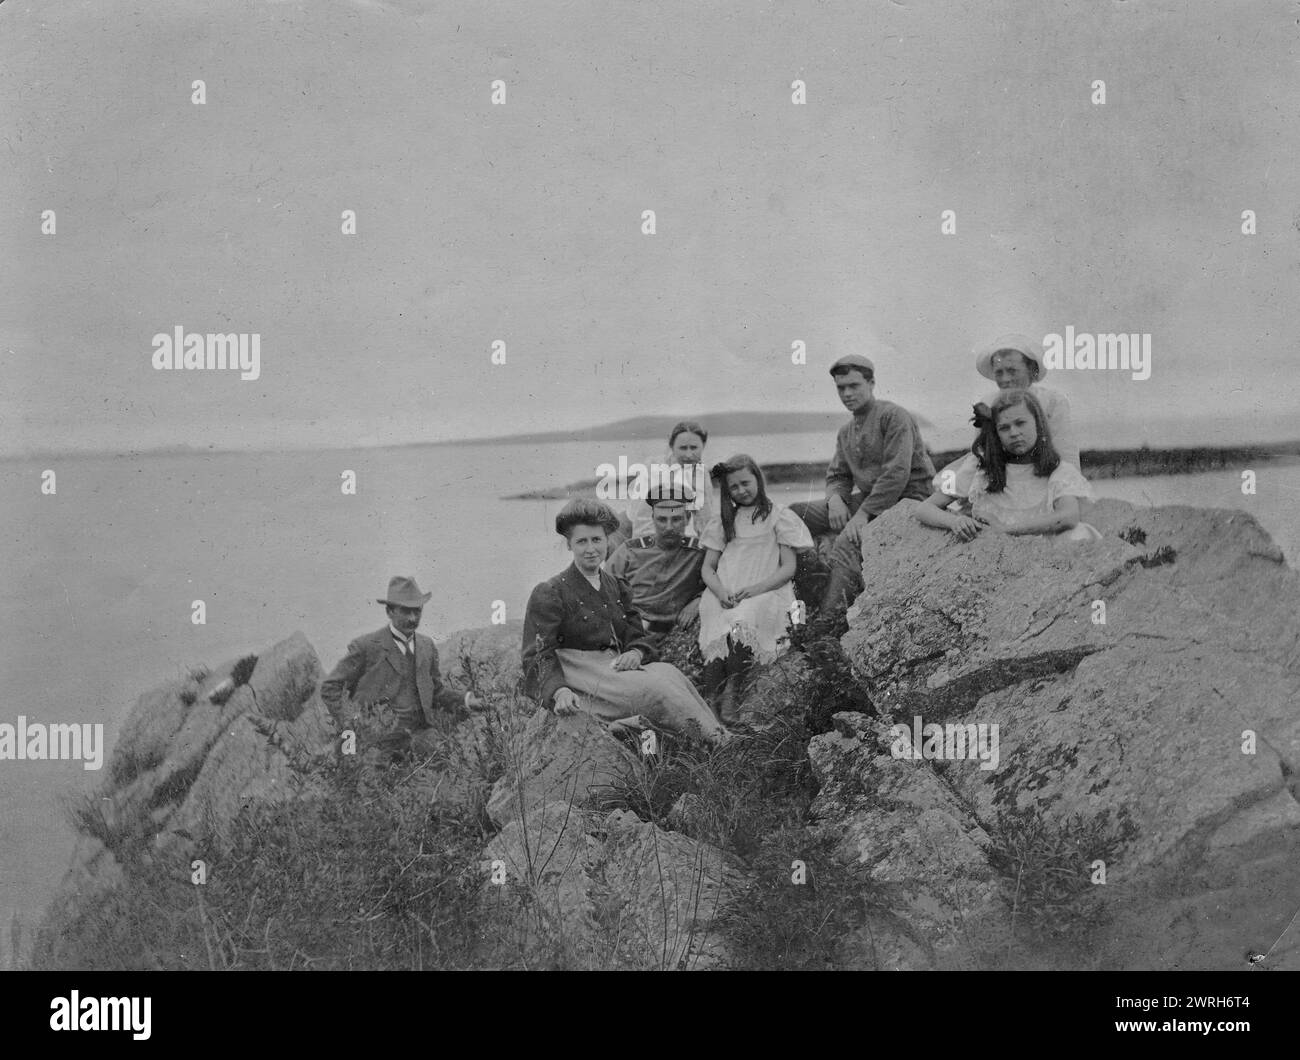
[[1020, 343]]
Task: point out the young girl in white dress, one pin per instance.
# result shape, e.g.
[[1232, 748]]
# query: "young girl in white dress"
[[1013, 478], [749, 562]]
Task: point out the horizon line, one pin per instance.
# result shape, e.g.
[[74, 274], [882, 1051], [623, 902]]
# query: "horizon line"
[[186, 450]]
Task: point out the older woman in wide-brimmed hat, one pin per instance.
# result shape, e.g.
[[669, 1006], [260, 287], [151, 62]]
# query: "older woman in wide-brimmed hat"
[[1015, 362], [586, 648]]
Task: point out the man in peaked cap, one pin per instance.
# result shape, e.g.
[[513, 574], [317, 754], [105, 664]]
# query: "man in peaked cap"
[[662, 572], [879, 459], [398, 667]]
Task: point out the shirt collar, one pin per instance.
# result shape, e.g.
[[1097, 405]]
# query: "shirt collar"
[[403, 641], [578, 578]]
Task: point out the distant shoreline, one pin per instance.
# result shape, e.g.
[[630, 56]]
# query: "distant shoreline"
[[646, 428], [1097, 464]]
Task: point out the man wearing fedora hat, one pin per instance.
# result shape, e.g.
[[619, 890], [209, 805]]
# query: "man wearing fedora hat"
[[662, 572], [879, 459], [399, 667], [1016, 362]]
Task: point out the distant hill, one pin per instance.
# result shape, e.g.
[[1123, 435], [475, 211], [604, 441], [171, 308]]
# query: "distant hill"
[[1097, 464], [657, 427]]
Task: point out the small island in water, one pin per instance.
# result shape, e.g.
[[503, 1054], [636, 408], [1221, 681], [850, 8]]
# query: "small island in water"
[[1097, 464]]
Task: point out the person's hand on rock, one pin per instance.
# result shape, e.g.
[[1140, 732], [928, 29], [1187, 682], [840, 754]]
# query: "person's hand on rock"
[[966, 528], [994, 523], [566, 703], [853, 529]]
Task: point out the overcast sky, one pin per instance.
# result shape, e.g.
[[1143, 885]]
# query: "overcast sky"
[[522, 222]]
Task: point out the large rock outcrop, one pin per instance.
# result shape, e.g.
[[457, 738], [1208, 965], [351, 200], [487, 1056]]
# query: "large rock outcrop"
[[1148, 682], [182, 767], [1143, 787], [603, 886]]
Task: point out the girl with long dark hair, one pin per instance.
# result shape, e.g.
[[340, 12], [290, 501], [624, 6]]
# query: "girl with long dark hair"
[[1015, 481], [749, 562]]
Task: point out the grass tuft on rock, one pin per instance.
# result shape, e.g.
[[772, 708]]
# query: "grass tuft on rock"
[[800, 908], [832, 686], [1050, 866], [364, 870]]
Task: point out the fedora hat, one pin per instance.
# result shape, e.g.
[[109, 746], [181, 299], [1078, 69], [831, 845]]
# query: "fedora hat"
[[403, 592], [1022, 344]]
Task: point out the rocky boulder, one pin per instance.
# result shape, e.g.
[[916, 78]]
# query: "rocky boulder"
[[486, 659], [182, 767], [1149, 682], [611, 890], [573, 761]]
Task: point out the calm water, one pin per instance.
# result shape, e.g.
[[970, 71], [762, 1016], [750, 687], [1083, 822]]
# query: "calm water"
[[96, 604]]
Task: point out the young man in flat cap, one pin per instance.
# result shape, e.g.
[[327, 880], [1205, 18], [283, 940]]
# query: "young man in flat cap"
[[662, 572], [399, 667], [880, 452]]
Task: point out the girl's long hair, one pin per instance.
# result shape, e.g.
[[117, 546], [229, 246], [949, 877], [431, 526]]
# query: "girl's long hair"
[[762, 505], [988, 446]]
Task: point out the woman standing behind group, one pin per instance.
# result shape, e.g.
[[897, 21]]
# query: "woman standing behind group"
[[685, 454]]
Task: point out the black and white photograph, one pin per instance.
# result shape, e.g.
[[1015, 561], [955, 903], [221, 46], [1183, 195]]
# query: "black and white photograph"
[[609, 486]]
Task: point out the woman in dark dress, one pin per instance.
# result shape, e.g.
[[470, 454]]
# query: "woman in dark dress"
[[584, 647]]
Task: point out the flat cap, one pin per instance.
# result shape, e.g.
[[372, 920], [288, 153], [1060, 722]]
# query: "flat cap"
[[854, 360], [672, 492]]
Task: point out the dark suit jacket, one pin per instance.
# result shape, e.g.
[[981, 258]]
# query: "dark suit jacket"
[[566, 612], [372, 670]]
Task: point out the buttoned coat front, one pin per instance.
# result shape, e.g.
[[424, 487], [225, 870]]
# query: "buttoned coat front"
[[372, 671], [569, 612]]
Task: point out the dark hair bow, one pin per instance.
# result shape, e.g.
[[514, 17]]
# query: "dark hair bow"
[[719, 471], [983, 416]]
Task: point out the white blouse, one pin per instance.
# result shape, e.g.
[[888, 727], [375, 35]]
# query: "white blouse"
[[1025, 496]]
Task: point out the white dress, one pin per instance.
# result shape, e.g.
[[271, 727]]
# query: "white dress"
[[752, 555], [1026, 495]]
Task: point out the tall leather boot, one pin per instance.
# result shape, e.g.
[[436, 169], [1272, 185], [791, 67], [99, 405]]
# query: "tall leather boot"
[[727, 703], [714, 679], [842, 588], [739, 660]]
